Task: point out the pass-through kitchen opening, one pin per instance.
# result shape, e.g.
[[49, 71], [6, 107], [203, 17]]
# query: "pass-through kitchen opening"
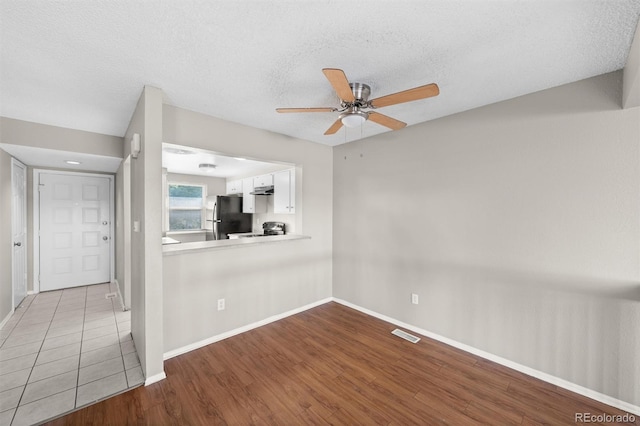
[[211, 197]]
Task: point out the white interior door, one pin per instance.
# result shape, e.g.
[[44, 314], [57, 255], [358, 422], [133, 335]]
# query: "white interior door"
[[19, 230], [75, 230]]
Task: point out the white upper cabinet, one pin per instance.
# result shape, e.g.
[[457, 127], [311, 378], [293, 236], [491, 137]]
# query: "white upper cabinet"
[[248, 200], [284, 191], [252, 203], [234, 187], [263, 180]]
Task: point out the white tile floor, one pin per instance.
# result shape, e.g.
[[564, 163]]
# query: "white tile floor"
[[62, 350]]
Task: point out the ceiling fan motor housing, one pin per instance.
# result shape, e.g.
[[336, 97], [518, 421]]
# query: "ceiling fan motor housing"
[[361, 92], [352, 114]]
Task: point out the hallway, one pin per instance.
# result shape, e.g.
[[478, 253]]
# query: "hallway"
[[62, 350]]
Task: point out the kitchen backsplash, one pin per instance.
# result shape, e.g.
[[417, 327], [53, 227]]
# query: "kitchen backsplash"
[[288, 219]]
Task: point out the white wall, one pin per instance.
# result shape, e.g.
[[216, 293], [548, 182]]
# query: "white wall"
[[258, 281], [517, 225], [146, 245], [215, 186], [18, 132]]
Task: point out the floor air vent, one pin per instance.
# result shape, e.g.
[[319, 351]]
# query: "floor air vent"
[[405, 335]]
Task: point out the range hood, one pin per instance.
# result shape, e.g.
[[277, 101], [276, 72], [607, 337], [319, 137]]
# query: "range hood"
[[262, 190]]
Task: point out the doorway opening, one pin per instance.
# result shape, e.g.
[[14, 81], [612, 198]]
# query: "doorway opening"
[[73, 229]]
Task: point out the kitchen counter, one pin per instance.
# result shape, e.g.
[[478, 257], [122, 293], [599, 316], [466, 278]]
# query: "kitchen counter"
[[175, 249]]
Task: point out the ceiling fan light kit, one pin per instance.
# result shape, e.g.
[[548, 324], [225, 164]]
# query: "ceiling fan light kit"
[[353, 118], [354, 99]]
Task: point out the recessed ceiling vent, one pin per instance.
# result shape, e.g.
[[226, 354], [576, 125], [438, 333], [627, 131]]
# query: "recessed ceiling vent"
[[405, 335]]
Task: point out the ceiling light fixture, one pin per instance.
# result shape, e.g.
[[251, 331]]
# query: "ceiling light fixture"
[[353, 117], [207, 167], [239, 158], [73, 162]]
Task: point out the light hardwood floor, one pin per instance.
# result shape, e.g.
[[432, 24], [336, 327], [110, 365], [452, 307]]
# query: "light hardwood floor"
[[335, 365]]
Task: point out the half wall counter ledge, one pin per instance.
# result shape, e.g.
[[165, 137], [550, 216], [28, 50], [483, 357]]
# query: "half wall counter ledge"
[[176, 249]]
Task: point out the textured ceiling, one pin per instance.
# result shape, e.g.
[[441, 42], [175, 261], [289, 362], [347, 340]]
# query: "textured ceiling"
[[82, 64]]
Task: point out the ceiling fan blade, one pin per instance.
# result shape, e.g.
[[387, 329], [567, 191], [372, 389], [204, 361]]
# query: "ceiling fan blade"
[[305, 109], [334, 127], [414, 94], [386, 121], [340, 84]]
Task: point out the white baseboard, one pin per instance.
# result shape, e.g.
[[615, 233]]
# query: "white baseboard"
[[239, 330], [155, 378], [4, 321], [31, 292], [565, 384]]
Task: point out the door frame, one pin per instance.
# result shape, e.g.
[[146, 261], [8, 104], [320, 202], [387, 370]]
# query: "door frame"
[[36, 220], [126, 224], [15, 162]]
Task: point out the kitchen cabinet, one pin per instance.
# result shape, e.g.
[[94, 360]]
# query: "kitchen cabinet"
[[252, 203], [263, 180], [284, 191], [234, 187]]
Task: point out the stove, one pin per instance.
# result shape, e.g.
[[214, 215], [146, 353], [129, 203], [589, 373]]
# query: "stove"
[[273, 228]]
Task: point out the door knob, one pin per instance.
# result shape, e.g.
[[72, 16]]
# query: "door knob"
[[104, 222], [18, 244], [105, 238]]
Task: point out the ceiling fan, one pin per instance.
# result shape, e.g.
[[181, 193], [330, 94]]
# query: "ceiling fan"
[[354, 100]]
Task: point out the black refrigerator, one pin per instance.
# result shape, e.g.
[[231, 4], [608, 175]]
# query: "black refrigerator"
[[226, 217]]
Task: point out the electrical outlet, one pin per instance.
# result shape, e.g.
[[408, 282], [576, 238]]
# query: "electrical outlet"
[[221, 304], [414, 299]]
